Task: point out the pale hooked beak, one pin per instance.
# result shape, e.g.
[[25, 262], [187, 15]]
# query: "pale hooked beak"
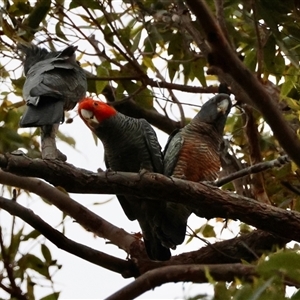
[[89, 116], [223, 106]]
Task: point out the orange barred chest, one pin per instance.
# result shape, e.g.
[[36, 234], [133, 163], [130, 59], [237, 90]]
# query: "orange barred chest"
[[197, 162]]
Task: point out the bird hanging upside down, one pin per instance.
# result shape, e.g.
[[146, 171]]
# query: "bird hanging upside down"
[[54, 83], [193, 152], [130, 146]]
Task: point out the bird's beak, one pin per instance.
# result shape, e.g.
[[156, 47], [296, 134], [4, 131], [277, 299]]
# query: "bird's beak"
[[223, 106], [89, 116]]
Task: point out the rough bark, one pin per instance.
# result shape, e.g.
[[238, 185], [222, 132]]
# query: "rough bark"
[[205, 200]]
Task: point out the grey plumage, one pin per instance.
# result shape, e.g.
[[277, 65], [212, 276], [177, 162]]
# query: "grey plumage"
[[54, 82], [130, 146], [193, 153]]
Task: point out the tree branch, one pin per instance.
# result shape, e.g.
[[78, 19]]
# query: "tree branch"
[[86, 218], [247, 247], [130, 108], [206, 201], [260, 167], [193, 273], [252, 135], [58, 239], [223, 57]]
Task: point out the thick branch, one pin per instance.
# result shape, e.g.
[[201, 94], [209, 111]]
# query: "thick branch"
[[81, 214], [223, 57], [206, 201], [58, 239], [193, 273], [247, 247]]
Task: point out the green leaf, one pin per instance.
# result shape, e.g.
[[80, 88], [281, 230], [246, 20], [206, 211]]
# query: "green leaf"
[[292, 103], [8, 30], [46, 253], [30, 261], [53, 296], [92, 4], [173, 68], [144, 98], [59, 31], [30, 288], [296, 296], [197, 69], [260, 290], [15, 243], [67, 139], [290, 80], [175, 47], [32, 235], [250, 59], [102, 71], [287, 263], [147, 61], [136, 41], [207, 231]]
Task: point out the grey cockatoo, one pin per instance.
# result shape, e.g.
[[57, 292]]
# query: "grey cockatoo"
[[55, 82], [131, 145]]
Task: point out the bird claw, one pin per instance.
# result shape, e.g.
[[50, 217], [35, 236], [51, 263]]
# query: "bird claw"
[[142, 172], [61, 156], [18, 152], [182, 177], [99, 170]]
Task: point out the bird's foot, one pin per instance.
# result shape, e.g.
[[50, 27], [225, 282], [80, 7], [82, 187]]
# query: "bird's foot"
[[61, 156], [54, 154], [182, 177], [142, 172], [99, 170]]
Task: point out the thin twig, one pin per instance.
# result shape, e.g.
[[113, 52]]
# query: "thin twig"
[[219, 4], [257, 180], [260, 167], [259, 50], [174, 99]]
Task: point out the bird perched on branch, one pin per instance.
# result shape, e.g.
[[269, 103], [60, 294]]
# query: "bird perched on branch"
[[55, 82], [130, 146], [193, 152]]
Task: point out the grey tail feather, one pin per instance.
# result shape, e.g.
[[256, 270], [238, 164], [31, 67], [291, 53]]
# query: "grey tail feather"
[[127, 208], [172, 229], [156, 251], [46, 113]]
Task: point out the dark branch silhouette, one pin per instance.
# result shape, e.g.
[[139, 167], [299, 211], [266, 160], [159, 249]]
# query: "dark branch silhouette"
[[58, 239], [259, 167], [206, 201], [194, 273], [86, 218]]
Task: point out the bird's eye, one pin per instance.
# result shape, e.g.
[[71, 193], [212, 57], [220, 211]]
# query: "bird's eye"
[[96, 103]]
